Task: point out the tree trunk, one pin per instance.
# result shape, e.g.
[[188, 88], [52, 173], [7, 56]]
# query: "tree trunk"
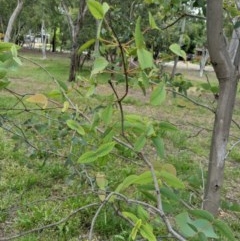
[[226, 72], [43, 39], [54, 40], [75, 31], [11, 21]]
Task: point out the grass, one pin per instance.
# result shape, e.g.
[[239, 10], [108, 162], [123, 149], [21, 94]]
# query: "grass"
[[38, 188]]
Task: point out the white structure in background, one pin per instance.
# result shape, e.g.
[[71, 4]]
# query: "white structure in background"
[[32, 41]]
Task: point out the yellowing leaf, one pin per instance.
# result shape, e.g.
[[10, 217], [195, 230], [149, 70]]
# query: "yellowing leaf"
[[38, 99], [102, 195], [169, 168], [101, 180], [65, 106]]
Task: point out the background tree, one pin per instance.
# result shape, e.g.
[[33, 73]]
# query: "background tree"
[[12, 20], [75, 25]]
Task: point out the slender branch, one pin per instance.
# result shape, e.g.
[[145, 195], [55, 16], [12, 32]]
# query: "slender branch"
[[49, 225], [232, 147], [156, 210], [125, 71], [192, 100]]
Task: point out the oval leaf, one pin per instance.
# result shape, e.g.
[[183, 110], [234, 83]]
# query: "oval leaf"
[[126, 183], [171, 180], [86, 45], [224, 229], [96, 9], [101, 180], [139, 144], [176, 49], [145, 58], [135, 229], [159, 145], [87, 157], [38, 99], [105, 149], [107, 114], [158, 95], [199, 213], [99, 65], [74, 125], [146, 231]]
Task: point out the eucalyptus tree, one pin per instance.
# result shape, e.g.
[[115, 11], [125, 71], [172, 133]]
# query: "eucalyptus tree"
[[14, 13]]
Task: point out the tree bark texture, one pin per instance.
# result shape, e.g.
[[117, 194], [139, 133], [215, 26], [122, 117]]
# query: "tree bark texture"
[[227, 75], [12, 19]]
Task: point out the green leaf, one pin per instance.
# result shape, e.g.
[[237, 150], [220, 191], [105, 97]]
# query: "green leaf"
[[126, 183], [131, 216], [205, 227], [146, 231], [105, 7], [139, 144], [4, 83], [135, 229], [166, 126], [139, 40], [150, 131], [144, 178], [182, 221], [5, 46], [96, 9], [74, 125], [142, 213], [199, 213], [167, 192], [159, 145], [176, 49], [145, 58], [86, 45], [202, 237], [152, 22], [99, 65], [3, 73], [105, 149], [107, 114], [134, 118], [87, 157], [158, 95], [224, 229], [171, 180], [62, 85]]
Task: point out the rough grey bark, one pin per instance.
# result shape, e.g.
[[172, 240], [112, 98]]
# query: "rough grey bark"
[[227, 75], [12, 19], [75, 28]]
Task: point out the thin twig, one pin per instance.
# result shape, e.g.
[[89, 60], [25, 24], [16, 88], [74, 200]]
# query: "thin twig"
[[49, 225]]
